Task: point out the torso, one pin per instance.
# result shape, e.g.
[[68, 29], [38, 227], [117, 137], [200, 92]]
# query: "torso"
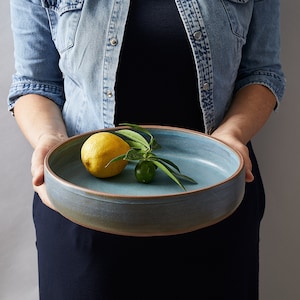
[[154, 39]]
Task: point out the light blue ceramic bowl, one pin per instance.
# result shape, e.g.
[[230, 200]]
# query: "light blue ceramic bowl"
[[121, 205]]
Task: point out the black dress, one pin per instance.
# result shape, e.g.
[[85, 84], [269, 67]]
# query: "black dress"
[[156, 84]]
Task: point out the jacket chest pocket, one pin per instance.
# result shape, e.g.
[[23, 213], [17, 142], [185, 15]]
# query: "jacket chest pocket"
[[239, 13], [64, 16]]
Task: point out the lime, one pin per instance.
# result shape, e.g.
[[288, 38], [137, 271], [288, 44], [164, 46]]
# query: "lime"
[[145, 171]]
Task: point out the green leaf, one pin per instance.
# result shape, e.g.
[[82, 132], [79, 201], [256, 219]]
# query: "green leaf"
[[184, 177], [137, 145], [169, 172], [138, 128], [167, 161], [134, 154], [155, 145], [120, 157], [152, 143], [134, 136]]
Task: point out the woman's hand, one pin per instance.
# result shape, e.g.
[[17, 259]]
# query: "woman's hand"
[[45, 143], [237, 145]]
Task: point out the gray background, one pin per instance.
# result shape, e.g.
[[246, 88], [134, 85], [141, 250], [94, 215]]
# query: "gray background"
[[277, 147]]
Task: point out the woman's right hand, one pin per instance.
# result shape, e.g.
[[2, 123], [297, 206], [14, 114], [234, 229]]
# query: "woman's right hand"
[[45, 143]]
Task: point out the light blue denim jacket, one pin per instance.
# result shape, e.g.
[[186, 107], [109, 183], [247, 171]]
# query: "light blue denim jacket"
[[68, 51]]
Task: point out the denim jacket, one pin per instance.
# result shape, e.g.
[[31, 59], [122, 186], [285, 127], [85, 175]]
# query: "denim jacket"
[[68, 51]]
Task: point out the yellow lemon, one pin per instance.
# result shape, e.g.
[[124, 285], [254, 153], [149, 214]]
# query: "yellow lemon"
[[99, 149]]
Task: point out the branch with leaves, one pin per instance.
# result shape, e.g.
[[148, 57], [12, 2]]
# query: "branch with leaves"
[[142, 144]]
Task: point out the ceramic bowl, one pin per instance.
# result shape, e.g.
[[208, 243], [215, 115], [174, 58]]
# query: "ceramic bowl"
[[121, 205]]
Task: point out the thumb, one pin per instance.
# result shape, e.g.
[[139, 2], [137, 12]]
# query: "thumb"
[[37, 166], [248, 168], [249, 176]]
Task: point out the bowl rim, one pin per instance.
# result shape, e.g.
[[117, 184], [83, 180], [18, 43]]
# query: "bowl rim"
[[107, 195]]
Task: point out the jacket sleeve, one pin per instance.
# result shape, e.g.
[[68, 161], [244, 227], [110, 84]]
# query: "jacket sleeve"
[[36, 58], [261, 54]]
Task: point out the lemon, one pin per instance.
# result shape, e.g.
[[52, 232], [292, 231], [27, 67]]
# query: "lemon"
[[99, 149]]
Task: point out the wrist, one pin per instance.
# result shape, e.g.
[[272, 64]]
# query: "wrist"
[[51, 136], [234, 134]]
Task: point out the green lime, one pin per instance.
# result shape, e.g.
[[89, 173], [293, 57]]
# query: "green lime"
[[145, 171]]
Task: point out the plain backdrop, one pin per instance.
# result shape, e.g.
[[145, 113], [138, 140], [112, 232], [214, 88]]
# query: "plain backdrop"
[[277, 147]]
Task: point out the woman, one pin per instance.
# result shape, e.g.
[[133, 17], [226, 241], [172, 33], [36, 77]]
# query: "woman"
[[211, 66]]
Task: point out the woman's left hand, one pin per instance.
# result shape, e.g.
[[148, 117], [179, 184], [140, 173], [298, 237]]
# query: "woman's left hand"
[[237, 145]]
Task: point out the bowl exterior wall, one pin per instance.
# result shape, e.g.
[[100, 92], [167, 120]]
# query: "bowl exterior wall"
[[177, 214]]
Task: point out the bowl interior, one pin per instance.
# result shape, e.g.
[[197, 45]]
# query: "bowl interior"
[[208, 161]]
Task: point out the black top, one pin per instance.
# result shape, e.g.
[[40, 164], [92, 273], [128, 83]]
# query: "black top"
[[156, 79]]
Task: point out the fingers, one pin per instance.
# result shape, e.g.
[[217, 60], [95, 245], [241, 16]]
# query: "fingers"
[[248, 169], [41, 190], [37, 170], [242, 149], [37, 167]]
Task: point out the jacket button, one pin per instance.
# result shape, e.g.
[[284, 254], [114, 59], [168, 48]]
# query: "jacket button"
[[109, 94], [197, 35], [113, 41], [205, 86]]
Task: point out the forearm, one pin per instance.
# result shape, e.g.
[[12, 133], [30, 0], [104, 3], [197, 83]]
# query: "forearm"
[[249, 111], [38, 116], [41, 122]]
